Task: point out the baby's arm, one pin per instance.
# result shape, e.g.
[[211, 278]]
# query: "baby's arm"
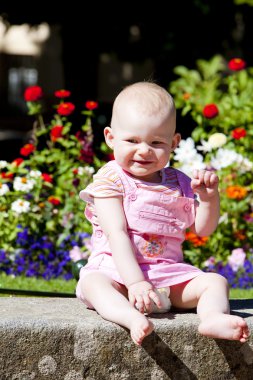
[[112, 220], [205, 184]]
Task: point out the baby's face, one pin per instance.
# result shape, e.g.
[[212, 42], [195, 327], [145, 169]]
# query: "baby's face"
[[142, 143]]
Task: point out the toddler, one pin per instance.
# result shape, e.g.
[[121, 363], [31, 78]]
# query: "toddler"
[[139, 209]]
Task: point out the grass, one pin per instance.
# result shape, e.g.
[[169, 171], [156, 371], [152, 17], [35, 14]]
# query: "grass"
[[34, 284], [62, 286]]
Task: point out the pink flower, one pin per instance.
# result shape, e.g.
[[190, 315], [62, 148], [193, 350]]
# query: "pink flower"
[[236, 259], [210, 261], [76, 254]]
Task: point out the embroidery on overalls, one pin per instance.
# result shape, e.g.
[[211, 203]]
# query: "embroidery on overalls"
[[152, 246]]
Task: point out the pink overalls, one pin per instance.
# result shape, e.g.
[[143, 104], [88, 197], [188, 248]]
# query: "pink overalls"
[[156, 226]]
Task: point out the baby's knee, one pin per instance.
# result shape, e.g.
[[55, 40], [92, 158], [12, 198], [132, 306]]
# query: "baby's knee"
[[217, 279]]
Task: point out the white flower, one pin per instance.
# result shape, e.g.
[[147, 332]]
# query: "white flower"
[[195, 163], [185, 151], [223, 218], [35, 174], [20, 206], [205, 147], [3, 188], [3, 164], [217, 140], [23, 184], [87, 169], [224, 158], [244, 164]]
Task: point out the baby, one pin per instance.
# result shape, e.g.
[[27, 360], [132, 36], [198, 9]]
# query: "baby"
[[139, 209]]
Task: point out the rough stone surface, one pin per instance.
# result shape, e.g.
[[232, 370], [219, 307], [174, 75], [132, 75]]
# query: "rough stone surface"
[[58, 339]]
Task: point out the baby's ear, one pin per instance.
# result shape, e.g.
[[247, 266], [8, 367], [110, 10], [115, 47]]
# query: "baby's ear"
[[175, 141], [108, 136]]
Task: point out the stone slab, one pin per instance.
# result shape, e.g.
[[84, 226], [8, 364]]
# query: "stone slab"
[[59, 339]]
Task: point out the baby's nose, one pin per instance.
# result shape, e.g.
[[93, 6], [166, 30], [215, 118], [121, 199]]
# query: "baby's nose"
[[144, 148]]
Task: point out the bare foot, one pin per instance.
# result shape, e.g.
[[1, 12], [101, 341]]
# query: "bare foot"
[[225, 326], [140, 328]]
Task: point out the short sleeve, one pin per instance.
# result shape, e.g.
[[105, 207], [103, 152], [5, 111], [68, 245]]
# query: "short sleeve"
[[106, 183]]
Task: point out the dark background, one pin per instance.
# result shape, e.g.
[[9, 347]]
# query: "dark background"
[[177, 33]]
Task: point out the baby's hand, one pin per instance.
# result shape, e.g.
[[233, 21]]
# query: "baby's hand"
[[142, 293], [205, 183]]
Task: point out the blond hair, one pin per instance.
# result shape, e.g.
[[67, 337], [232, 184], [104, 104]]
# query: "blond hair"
[[148, 97]]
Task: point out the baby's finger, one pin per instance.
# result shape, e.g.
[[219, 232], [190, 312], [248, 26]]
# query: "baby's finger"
[[140, 303], [131, 299], [155, 298]]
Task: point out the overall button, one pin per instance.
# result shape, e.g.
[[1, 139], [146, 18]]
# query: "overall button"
[[133, 197], [187, 207], [99, 234]]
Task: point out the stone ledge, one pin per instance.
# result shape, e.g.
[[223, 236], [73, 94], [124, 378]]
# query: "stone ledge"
[[58, 339]]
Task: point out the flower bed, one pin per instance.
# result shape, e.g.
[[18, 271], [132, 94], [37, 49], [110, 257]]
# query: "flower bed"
[[218, 97], [42, 226]]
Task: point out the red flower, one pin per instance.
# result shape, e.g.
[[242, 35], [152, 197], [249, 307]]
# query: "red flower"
[[47, 177], [56, 132], [27, 149], [17, 161], [65, 109], [33, 93], [91, 105], [75, 171], [54, 200], [62, 94], [238, 133], [7, 175], [210, 111], [236, 64]]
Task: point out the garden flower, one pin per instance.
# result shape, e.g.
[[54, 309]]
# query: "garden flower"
[[236, 259], [185, 150], [236, 64], [76, 254], [238, 133], [236, 192], [23, 184], [3, 164], [210, 111], [216, 140], [65, 109], [27, 149], [62, 94], [91, 105], [20, 206], [35, 173], [33, 93], [18, 161], [3, 189], [56, 132], [196, 240]]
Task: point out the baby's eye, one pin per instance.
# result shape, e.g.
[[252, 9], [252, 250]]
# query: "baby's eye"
[[156, 142], [132, 141]]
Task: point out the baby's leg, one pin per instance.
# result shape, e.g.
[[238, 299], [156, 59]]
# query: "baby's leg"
[[109, 300], [209, 292]]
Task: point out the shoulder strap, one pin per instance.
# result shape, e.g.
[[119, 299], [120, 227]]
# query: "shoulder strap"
[[184, 182]]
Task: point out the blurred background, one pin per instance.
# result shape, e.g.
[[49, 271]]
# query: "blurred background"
[[94, 51]]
